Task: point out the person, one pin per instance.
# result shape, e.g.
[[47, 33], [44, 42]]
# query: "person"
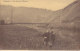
[[46, 38], [49, 38]]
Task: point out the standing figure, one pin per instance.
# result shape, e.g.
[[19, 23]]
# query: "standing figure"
[[49, 38]]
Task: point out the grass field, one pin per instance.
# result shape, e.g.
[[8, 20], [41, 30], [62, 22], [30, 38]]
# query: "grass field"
[[20, 37]]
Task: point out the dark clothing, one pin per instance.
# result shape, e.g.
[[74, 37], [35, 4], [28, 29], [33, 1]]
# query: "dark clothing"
[[49, 37], [46, 36]]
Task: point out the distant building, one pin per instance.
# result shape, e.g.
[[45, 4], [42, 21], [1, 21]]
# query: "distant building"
[[5, 21], [2, 22], [8, 20]]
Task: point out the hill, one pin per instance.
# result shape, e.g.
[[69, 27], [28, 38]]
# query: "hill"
[[24, 14], [67, 26], [68, 14]]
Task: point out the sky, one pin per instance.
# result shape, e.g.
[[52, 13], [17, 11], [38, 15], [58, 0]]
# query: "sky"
[[45, 4]]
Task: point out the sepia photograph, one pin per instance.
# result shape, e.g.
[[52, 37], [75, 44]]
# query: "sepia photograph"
[[40, 25]]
